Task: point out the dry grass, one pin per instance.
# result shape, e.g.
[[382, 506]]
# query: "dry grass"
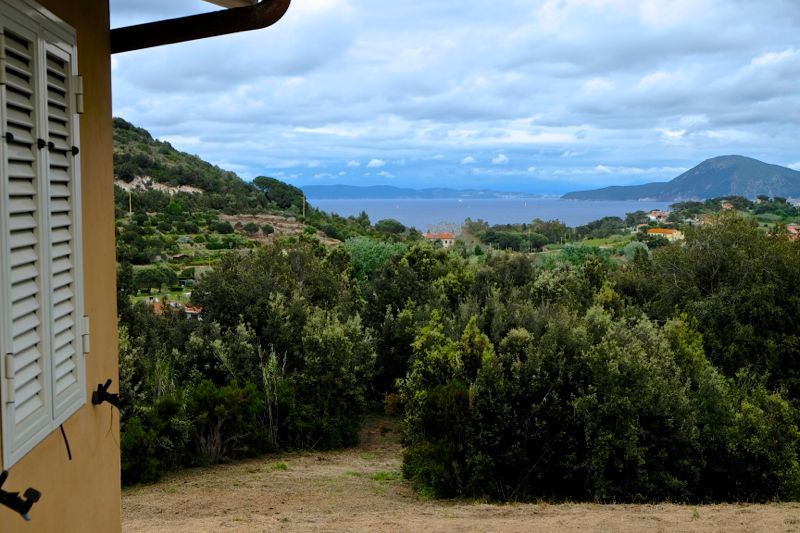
[[361, 490]]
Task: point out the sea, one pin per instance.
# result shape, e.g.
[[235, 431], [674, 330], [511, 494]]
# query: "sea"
[[431, 214]]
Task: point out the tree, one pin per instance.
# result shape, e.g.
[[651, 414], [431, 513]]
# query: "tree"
[[281, 194], [389, 225], [154, 277]]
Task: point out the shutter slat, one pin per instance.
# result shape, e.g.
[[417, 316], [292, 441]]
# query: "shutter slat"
[[63, 324], [57, 130], [66, 381], [59, 190], [60, 220], [61, 256], [59, 205], [19, 85], [19, 152], [23, 290], [62, 279], [55, 110], [19, 46], [62, 295], [21, 174], [57, 91], [28, 357], [55, 66], [63, 339], [19, 117], [25, 324], [23, 273], [59, 176], [19, 101], [27, 366], [24, 255], [61, 235], [22, 135], [63, 264], [24, 307], [24, 204], [20, 222], [15, 64], [58, 159], [28, 399], [23, 342], [62, 310]]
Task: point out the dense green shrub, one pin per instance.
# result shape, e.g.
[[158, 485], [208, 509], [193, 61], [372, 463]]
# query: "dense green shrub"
[[594, 408]]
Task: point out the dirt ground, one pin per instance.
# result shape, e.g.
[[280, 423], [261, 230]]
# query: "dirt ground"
[[360, 489]]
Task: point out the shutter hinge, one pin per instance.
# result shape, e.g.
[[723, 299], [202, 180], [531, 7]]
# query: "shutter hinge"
[[87, 347], [2, 58], [8, 389], [78, 84]]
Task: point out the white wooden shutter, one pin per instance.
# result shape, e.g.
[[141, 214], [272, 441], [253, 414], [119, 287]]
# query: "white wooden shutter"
[[26, 411], [68, 369], [42, 333]]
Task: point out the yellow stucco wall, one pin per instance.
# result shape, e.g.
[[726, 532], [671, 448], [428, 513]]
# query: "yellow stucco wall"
[[83, 495]]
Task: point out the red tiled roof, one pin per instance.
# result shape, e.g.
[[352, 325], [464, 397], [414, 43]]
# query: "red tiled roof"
[[446, 235]]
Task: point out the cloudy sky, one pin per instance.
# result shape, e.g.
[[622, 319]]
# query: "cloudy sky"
[[528, 95]]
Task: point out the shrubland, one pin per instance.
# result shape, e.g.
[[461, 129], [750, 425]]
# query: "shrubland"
[[663, 374]]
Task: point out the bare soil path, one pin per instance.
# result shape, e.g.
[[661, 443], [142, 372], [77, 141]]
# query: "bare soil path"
[[360, 489]]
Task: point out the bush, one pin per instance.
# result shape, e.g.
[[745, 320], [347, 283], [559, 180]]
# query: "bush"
[[592, 409], [224, 228], [389, 225]]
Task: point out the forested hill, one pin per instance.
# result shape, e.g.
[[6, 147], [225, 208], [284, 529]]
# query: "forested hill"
[[730, 175], [154, 168]]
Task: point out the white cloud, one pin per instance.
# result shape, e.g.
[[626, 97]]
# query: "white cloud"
[[531, 170], [774, 58], [660, 79], [673, 135], [597, 85], [385, 174], [646, 83], [795, 166]]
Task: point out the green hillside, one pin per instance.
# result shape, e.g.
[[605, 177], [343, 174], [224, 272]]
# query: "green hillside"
[[140, 158], [176, 208], [730, 175]]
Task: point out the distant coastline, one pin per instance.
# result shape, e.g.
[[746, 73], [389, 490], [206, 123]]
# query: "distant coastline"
[[389, 192]]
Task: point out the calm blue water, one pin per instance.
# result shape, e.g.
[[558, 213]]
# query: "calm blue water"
[[423, 214]]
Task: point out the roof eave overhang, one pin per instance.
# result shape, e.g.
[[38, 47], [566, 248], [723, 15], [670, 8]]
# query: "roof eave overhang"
[[253, 17]]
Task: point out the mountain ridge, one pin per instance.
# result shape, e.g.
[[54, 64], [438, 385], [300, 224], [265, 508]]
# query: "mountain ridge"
[[728, 175]]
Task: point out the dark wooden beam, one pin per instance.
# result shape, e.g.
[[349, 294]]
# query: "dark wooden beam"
[[179, 30]]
